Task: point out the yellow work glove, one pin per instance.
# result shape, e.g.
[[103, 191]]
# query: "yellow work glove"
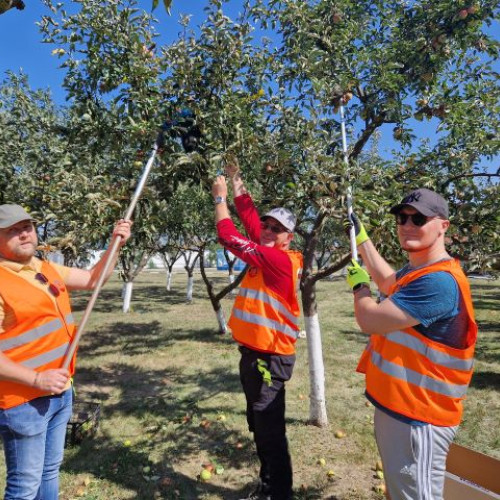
[[357, 276], [359, 229]]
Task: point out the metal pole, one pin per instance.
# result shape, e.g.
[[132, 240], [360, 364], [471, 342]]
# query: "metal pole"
[[114, 246], [352, 232]]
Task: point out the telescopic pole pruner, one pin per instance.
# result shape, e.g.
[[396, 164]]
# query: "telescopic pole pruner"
[[352, 232], [113, 248]]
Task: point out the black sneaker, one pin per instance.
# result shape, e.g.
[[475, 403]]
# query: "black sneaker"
[[260, 493]]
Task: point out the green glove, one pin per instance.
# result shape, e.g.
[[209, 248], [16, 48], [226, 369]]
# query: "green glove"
[[357, 276], [359, 229], [264, 371]]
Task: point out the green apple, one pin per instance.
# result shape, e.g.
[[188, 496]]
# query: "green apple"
[[205, 475]]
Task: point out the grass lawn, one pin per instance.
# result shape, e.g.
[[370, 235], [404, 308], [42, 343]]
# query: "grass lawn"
[[171, 400]]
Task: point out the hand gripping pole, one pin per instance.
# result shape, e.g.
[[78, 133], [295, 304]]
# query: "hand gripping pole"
[[352, 232], [113, 248]]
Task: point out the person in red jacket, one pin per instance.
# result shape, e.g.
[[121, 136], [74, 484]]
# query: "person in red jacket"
[[264, 322], [36, 328], [418, 362]]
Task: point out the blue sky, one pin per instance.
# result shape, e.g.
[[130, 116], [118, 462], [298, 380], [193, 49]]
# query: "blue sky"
[[21, 49]]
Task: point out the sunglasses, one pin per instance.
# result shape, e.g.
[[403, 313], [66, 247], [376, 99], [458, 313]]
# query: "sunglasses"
[[275, 229], [45, 281], [418, 219]]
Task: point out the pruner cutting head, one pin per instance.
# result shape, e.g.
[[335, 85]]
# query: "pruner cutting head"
[[160, 139]]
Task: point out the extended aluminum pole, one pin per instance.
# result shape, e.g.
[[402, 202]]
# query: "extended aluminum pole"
[[352, 232], [114, 246]]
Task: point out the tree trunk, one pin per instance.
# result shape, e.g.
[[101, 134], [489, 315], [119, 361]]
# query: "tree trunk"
[[169, 279], [317, 406], [127, 295], [221, 320], [189, 295]]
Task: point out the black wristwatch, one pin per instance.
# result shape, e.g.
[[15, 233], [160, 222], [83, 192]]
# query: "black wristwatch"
[[359, 286]]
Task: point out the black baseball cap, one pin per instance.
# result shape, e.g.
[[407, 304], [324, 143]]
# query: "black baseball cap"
[[427, 202]]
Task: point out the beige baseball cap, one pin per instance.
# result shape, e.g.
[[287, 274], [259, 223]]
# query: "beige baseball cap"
[[12, 214]]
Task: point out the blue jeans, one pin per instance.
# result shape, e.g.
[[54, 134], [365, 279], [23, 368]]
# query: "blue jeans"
[[33, 436]]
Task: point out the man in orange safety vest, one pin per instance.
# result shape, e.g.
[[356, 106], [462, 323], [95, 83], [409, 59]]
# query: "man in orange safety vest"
[[418, 362], [264, 322], [36, 328]]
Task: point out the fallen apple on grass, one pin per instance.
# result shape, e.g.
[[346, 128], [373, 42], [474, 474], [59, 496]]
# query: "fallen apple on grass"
[[208, 466], [380, 489], [205, 475]]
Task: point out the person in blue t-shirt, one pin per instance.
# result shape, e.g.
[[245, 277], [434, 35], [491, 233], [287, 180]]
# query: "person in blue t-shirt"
[[422, 342]]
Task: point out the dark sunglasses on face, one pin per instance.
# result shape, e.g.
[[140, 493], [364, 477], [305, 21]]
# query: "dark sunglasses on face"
[[45, 281], [275, 229], [417, 219]]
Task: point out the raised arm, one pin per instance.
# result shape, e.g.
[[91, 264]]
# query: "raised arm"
[[85, 279], [381, 272]]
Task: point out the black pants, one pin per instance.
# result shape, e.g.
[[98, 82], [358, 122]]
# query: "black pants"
[[266, 417]]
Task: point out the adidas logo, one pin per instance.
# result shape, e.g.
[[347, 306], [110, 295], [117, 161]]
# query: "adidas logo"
[[406, 470]]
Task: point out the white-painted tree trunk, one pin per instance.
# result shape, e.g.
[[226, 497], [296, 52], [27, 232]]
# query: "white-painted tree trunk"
[[189, 296], [317, 407], [127, 295], [222, 321], [234, 291], [169, 280]]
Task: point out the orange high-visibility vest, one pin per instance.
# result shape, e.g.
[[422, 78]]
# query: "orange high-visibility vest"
[[41, 334], [263, 320], [414, 376]]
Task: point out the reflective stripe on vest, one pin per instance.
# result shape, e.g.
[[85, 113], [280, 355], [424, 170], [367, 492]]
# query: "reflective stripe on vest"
[[437, 357], [418, 379], [35, 333], [46, 357], [274, 303], [256, 319]]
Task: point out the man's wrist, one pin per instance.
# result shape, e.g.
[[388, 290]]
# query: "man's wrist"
[[360, 286], [219, 199]]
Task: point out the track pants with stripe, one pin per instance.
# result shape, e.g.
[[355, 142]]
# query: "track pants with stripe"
[[413, 456]]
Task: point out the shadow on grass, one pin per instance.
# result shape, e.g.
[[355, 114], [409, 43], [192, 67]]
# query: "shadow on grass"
[[171, 422], [172, 407], [145, 299], [486, 297], [144, 338], [486, 380], [128, 338], [130, 467]]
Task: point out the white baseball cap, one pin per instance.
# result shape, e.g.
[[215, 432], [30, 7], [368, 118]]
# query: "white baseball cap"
[[283, 216]]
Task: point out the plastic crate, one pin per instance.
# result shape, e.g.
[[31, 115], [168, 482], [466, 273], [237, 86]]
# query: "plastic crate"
[[84, 422]]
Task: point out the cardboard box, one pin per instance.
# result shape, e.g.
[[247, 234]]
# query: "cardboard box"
[[471, 475]]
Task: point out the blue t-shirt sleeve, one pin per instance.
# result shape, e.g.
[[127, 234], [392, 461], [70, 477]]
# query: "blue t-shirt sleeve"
[[430, 298]]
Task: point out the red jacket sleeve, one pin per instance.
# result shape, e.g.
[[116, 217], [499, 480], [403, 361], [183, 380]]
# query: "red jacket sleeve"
[[249, 216], [275, 264]]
